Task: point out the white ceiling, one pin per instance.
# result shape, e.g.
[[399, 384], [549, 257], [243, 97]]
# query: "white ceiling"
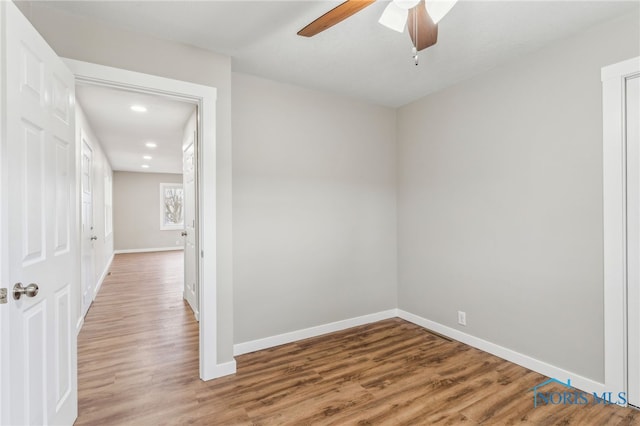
[[123, 133], [357, 57]]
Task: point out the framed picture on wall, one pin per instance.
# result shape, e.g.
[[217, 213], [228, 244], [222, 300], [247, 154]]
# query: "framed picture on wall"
[[171, 206]]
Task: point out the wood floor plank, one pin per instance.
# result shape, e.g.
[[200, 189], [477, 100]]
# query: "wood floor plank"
[[138, 365]]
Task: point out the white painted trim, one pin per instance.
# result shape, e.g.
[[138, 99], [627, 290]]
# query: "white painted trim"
[[205, 97], [196, 313], [97, 287], [293, 336], [5, 331], [525, 361], [103, 276], [579, 382], [620, 69], [614, 216], [79, 325], [221, 370], [148, 250], [137, 81]]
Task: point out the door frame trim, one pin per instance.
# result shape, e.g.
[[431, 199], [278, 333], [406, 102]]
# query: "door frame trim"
[[4, 251], [205, 97], [614, 221], [84, 140]]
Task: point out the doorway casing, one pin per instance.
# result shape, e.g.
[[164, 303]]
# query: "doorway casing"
[[205, 98], [615, 219]]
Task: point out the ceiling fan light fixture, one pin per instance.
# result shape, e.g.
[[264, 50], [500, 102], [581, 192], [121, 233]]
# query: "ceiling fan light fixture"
[[394, 17], [437, 9]]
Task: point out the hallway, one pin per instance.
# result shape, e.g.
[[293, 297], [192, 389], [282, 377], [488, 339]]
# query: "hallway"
[[138, 347]]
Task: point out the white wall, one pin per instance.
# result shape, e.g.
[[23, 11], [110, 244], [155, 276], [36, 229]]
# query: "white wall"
[[93, 41], [314, 208], [499, 194], [500, 201], [136, 212], [103, 246]]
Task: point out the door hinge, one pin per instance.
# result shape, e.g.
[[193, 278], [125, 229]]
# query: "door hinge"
[[3, 296]]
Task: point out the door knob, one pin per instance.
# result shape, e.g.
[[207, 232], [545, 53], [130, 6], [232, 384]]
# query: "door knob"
[[30, 291], [183, 233], [94, 238]]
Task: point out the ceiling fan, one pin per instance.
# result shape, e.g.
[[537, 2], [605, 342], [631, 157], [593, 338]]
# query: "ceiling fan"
[[422, 19]]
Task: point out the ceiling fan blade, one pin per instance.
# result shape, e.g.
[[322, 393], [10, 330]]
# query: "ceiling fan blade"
[[438, 8], [334, 16], [394, 17], [425, 33]]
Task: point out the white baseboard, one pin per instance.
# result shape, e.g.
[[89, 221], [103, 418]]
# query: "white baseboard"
[[79, 324], [196, 314], [281, 339], [103, 276], [220, 370], [525, 361], [577, 381], [148, 250]]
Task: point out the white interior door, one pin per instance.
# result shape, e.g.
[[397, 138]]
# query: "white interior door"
[[87, 232], [190, 239], [40, 230], [632, 122]]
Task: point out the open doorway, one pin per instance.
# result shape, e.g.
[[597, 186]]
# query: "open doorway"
[[210, 184], [138, 182]]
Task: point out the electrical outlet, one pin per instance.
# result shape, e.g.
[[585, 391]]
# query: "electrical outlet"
[[462, 318]]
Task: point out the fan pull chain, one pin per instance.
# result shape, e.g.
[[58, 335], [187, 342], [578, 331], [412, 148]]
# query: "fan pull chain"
[[415, 36]]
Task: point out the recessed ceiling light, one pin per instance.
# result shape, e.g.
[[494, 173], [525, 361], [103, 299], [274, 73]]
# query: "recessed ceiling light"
[[151, 144], [138, 108], [145, 166], [146, 157]]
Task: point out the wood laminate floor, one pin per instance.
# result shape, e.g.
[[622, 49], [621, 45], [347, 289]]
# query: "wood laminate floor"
[[138, 365]]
